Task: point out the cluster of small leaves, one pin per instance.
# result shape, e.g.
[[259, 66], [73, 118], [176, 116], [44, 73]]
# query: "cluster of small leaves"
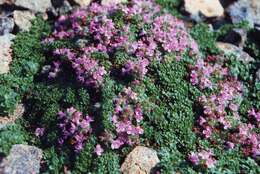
[[168, 101], [27, 58], [10, 135], [171, 5], [207, 41]]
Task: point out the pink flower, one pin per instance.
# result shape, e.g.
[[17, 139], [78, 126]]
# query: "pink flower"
[[233, 107], [138, 114], [194, 158], [254, 114], [126, 118], [137, 69], [207, 132], [116, 144], [74, 128], [210, 162], [203, 157], [194, 78], [39, 131], [202, 120], [99, 150], [230, 145]]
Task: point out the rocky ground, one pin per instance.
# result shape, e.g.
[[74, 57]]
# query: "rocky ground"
[[16, 16]]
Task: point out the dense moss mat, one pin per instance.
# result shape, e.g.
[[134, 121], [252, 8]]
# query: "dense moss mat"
[[10, 135], [171, 6], [167, 97], [27, 60]]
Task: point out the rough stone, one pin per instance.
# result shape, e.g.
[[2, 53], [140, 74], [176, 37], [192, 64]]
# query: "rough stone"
[[34, 5], [23, 159], [65, 8], [23, 19], [57, 3], [236, 36], [258, 76], [5, 52], [140, 161], [208, 8], [6, 25], [238, 52], [6, 120], [245, 10], [82, 3], [6, 2], [110, 2]]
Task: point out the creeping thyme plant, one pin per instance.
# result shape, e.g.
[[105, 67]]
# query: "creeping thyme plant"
[[108, 78]]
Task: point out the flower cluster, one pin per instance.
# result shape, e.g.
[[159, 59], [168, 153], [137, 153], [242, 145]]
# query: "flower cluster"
[[55, 69], [166, 34], [126, 118], [203, 158], [95, 29], [252, 113], [144, 8], [203, 71], [248, 139], [137, 69], [99, 150], [39, 131], [75, 128], [170, 33], [216, 107], [88, 72], [246, 136], [220, 116]]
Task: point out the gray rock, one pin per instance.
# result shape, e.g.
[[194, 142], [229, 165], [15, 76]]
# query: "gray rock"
[[111, 2], [258, 76], [57, 3], [5, 52], [64, 8], [23, 19], [23, 159], [245, 10], [6, 25], [238, 52], [82, 3], [34, 5], [140, 161]]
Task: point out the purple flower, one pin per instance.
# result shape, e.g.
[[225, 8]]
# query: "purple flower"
[[254, 114], [126, 118], [203, 157], [99, 150], [39, 131], [88, 71], [194, 158], [210, 162], [138, 114], [116, 144], [230, 145], [55, 69], [207, 132], [74, 128], [233, 107], [137, 69]]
